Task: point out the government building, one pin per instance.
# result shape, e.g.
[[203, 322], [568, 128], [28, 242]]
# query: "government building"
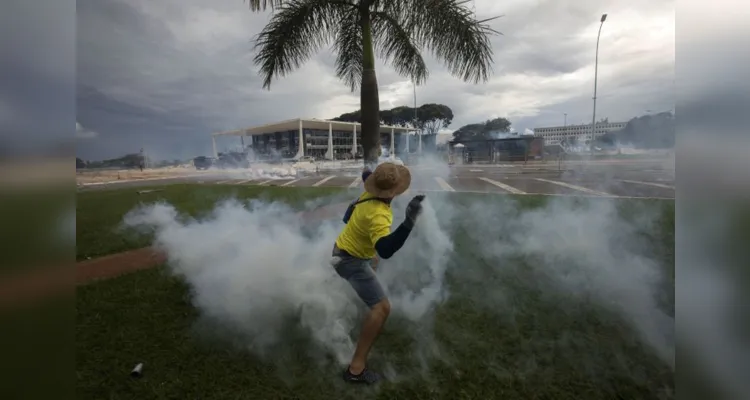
[[554, 134], [317, 138]]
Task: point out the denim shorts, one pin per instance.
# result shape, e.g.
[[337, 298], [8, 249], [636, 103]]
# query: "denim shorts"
[[359, 274]]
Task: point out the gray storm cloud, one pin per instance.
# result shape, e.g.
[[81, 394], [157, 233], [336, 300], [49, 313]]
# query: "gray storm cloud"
[[158, 81]]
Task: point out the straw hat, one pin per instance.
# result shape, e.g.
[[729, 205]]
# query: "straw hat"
[[388, 180]]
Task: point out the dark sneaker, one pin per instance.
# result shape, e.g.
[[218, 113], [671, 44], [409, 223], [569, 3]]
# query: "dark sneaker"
[[366, 376]]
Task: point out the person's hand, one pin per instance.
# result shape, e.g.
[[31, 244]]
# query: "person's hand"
[[413, 210], [374, 263], [366, 172]]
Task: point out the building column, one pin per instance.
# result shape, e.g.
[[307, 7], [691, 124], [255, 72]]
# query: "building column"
[[213, 142], [329, 153], [393, 145], [301, 140], [354, 141]]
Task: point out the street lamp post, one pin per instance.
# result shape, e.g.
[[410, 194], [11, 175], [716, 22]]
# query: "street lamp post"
[[419, 134], [596, 73]]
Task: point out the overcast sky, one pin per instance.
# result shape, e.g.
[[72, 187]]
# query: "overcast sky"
[[163, 74]]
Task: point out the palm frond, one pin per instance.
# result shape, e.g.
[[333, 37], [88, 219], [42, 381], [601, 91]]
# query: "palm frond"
[[449, 29], [298, 30], [348, 47], [396, 46], [262, 5]]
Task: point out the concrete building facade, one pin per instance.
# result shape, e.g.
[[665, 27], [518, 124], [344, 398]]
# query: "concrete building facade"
[[321, 139], [555, 134]]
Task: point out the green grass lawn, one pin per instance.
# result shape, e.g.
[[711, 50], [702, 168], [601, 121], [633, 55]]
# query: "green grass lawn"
[[100, 212], [542, 346]]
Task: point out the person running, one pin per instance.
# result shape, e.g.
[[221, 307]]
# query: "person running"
[[366, 236]]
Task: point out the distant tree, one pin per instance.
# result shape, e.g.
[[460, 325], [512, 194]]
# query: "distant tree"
[[648, 131], [431, 117], [355, 116], [402, 116], [80, 163], [386, 117], [481, 130], [497, 125], [467, 132]]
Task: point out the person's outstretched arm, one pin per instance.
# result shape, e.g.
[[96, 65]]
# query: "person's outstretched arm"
[[365, 173], [386, 245]]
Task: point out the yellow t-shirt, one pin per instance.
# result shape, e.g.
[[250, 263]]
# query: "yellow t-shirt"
[[369, 222]]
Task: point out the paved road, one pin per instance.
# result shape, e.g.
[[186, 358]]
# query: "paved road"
[[646, 180]]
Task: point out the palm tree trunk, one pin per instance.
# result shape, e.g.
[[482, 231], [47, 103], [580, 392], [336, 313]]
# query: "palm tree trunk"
[[369, 99]]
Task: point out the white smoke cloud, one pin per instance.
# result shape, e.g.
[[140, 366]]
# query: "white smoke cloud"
[[250, 267], [587, 252], [254, 266]]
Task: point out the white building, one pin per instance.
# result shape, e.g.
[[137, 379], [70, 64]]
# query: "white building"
[[322, 139], [554, 134]]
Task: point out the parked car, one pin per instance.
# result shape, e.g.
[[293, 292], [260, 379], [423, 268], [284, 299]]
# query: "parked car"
[[202, 162]]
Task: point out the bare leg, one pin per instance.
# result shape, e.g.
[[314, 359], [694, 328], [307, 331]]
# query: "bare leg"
[[370, 330]]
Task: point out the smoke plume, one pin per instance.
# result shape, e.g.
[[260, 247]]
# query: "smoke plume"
[[255, 266]]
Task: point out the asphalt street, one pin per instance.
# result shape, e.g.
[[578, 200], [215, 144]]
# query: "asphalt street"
[[643, 180]]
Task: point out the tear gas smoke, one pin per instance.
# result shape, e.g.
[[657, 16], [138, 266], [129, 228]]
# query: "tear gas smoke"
[[253, 266], [250, 267], [586, 252]]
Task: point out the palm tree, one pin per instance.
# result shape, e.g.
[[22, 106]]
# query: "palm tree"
[[398, 29]]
